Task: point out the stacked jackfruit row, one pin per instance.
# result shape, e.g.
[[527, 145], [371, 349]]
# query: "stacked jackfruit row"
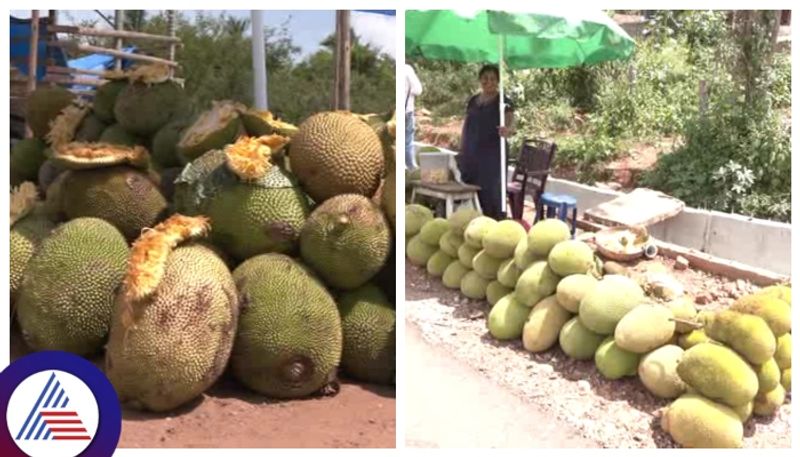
[[177, 243], [546, 289]]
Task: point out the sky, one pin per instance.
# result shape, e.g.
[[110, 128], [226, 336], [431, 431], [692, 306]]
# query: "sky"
[[307, 28]]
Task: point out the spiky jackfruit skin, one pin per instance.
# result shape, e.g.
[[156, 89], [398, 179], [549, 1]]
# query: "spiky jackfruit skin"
[[115, 134], [164, 147], [747, 334], [613, 297], [614, 362], [780, 291], [719, 373], [783, 351], [544, 324], [451, 278], [26, 157], [508, 273], [182, 334], [571, 290], [461, 218], [683, 308], [577, 341], [67, 294], [501, 239], [658, 371], [474, 286], [644, 328], [142, 109], [535, 283], [433, 230], [121, 195], [419, 253], [346, 240], [769, 375], [368, 327], [449, 243], [495, 291], [766, 404], [334, 153], [416, 217], [105, 98], [438, 263], [524, 257], [571, 257], [545, 234], [90, 129], [388, 198], [776, 312], [507, 318], [486, 265], [289, 340], [44, 104], [466, 255], [693, 338], [219, 136], [477, 229], [26, 235], [697, 422], [786, 379]]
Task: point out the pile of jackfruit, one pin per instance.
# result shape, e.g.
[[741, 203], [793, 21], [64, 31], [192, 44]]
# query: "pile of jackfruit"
[[180, 245], [548, 289]]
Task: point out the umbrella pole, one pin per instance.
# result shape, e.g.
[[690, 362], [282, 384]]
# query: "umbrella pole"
[[503, 184]]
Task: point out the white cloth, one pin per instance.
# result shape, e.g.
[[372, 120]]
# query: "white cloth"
[[413, 88]]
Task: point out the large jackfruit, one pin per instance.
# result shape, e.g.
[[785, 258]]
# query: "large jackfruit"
[[719, 373], [449, 243], [213, 129], [571, 257], [346, 240], [577, 341], [486, 265], [544, 324], [67, 294], [388, 198], [477, 229], [90, 129], [776, 312], [433, 230], [255, 207], [368, 328], [175, 318], [43, 105], [571, 290], [501, 239], [164, 146], [614, 362], [142, 109], [697, 422], [289, 341], [495, 291], [29, 226], [535, 283], [418, 252], [27, 156], [783, 351], [508, 273], [612, 298], [780, 291], [658, 371], [524, 257], [451, 278], [466, 255], [545, 234], [438, 263], [749, 335], [644, 328], [507, 318], [106, 97], [474, 285], [334, 153], [767, 403], [461, 218], [416, 217]]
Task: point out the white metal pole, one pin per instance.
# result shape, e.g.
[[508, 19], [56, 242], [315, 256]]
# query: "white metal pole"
[[503, 184], [259, 61]]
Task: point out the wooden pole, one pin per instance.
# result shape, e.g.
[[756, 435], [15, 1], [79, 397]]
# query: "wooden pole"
[[128, 34], [112, 52], [119, 23], [33, 63], [342, 69], [171, 31], [336, 75]]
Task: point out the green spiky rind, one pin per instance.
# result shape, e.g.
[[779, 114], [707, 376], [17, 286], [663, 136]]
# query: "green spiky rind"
[[44, 105], [368, 328], [142, 109], [164, 147], [90, 129], [25, 236], [116, 134], [27, 156], [106, 97]]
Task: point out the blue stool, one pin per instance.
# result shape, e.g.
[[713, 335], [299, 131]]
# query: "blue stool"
[[553, 205]]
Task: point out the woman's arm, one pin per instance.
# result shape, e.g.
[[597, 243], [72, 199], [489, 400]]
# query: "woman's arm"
[[508, 130]]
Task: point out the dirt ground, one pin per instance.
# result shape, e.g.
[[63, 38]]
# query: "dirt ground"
[[229, 416], [614, 414]]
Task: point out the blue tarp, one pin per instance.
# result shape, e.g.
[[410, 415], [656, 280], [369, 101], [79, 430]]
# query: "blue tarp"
[[384, 12]]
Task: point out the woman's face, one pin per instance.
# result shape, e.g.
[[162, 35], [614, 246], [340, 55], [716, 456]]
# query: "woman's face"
[[489, 82]]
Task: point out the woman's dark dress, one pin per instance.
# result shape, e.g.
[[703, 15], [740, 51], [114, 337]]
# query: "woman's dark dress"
[[479, 160]]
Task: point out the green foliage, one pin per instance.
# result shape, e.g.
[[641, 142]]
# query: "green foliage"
[[446, 86]]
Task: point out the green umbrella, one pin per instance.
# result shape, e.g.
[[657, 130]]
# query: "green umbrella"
[[540, 38]]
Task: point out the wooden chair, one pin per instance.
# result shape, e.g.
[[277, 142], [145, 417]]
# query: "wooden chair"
[[530, 175]]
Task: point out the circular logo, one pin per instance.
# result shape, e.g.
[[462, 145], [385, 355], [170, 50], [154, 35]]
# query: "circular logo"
[[58, 404]]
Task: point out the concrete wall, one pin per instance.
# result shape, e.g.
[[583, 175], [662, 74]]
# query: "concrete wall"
[[756, 242]]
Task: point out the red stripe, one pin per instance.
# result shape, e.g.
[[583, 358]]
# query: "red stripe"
[[68, 437], [58, 430], [63, 421], [59, 413]]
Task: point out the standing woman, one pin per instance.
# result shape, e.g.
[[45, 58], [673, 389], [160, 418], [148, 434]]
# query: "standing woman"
[[479, 160]]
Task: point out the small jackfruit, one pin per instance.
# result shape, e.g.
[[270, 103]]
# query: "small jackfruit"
[[744, 412], [449, 243], [577, 341], [693, 338], [486, 265], [433, 230], [783, 351], [769, 375], [501, 239], [115, 134], [535, 283], [495, 291], [419, 253], [786, 379], [477, 229], [474, 286], [90, 129], [683, 308], [658, 371], [614, 362], [451, 278], [644, 328], [508, 273], [461, 218], [27, 156], [507, 318], [106, 97], [776, 312], [571, 257], [545, 234], [543, 325], [719, 373], [416, 217], [697, 422], [612, 298], [766, 404], [748, 334], [524, 257], [438, 263], [45, 104], [571, 290], [466, 255], [781, 291], [164, 147]]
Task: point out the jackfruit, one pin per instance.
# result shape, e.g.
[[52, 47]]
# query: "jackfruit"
[[477, 229], [90, 129], [115, 134], [474, 286], [571, 257], [747, 334], [416, 217], [780, 291], [164, 147], [386, 278], [683, 308], [612, 298], [524, 257], [545, 234], [466, 255], [693, 338], [438, 263], [43, 105], [346, 240], [767, 404], [461, 218], [544, 324], [213, 129], [501, 239], [644, 328], [48, 173], [486, 265], [577, 341], [786, 379], [658, 371], [433, 230], [776, 312], [418, 252], [719, 373], [696, 422], [769, 375], [508, 273], [451, 278], [449, 243], [368, 328], [142, 109], [388, 198], [67, 293], [571, 290], [28, 228], [26, 158], [614, 362], [495, 291], [744, 412], [175, 318], [259, 123], [106, 97], [507, 318], [783, 351], [535, 283], [334, 153]]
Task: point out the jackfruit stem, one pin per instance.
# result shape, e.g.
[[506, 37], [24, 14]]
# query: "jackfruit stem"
[[693, 324], [23, 199]]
